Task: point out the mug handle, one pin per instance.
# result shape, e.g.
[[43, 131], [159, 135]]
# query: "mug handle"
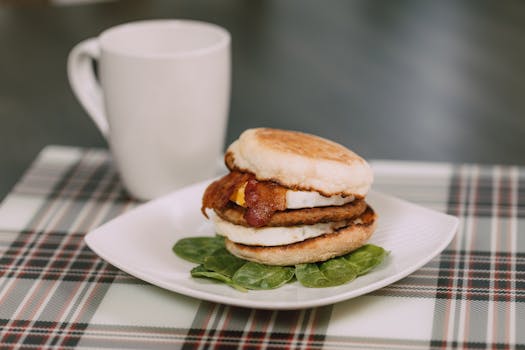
[[84, 84]]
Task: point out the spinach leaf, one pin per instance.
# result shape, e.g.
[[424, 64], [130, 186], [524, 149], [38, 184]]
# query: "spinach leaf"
[[366, 258], [333, 272], [202, 272], [219, 264], [196, 249], [222, 261], [253, 275]]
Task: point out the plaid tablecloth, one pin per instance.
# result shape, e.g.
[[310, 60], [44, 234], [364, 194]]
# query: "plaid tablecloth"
[[55, 292]]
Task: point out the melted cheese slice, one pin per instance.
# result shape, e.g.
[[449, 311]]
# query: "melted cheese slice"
[[272, 236], [298, 199]]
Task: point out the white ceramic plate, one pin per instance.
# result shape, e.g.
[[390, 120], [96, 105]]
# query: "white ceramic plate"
[[140, 241]]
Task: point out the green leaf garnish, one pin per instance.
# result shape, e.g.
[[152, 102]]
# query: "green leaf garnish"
[[196, 249], [253, 275], [217, 263], [224, 262], [202, 272], [330, 273], [366, 258]]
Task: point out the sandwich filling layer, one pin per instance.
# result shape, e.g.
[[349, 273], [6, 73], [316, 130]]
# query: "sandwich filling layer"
[[293, 217], [262, 199], [311, 199], [297, 199], [273, 236]]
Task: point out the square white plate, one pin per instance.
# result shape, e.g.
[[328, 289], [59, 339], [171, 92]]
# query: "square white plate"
[[140, 242]]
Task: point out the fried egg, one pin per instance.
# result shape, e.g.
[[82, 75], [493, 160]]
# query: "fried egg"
[[273, 236], [298, 199]]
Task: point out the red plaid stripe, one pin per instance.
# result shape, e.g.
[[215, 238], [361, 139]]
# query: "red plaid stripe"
[[53, 283], [482, 275], [49, 258], [222, 327]]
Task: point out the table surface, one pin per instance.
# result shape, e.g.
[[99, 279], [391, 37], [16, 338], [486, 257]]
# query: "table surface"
[[55, 292], [436, 82], [405, 80]]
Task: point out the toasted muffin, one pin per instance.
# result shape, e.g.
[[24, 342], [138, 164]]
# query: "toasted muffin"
[[291, 198], [300, 161]]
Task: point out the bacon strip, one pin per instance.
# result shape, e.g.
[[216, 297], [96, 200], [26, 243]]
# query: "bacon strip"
[[219, 192], [263, 198]]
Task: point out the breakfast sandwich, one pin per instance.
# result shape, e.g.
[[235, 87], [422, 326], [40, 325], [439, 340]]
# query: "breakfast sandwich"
[[290, 198]]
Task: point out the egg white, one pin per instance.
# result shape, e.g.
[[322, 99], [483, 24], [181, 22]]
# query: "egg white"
[[311, 199], [299, 199], [272, 236]]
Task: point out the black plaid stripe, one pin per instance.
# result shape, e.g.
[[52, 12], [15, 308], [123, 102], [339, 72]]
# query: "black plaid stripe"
[[459, 274], [476, 282], [42, 253], [38, 333], [440, 345], [465, 273], [481, 266], [483, 182], [79, 182], [222, 327], [89, 336]]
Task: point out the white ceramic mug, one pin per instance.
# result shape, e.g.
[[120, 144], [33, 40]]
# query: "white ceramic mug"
[[161, 99]]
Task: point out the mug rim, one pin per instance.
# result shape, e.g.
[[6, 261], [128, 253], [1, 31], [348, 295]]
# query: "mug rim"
[[224, 38]]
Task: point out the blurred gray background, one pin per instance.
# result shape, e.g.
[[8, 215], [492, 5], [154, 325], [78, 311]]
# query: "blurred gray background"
[[406, 80]]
